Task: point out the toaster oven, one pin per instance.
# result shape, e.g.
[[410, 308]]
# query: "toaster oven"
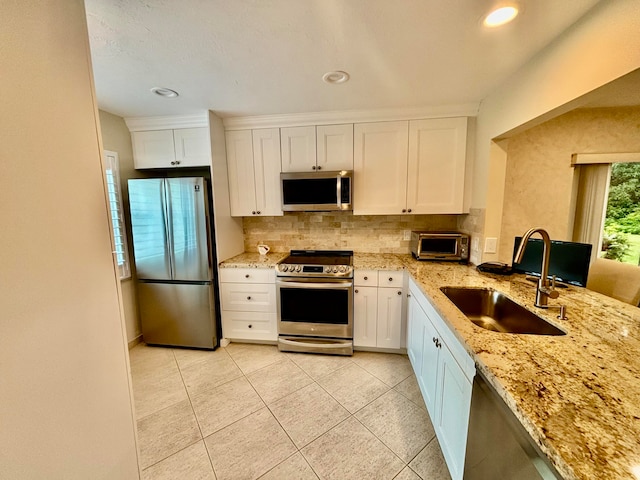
[[443, 246]]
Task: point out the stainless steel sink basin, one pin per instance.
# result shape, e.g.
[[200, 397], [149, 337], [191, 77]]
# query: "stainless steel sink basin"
[[494, 311]]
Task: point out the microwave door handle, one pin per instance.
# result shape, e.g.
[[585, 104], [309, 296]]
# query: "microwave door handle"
[[339, 191]]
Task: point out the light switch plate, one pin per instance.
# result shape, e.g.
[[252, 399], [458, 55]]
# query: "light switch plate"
[[475, 244], [490, 245], [407, 235]]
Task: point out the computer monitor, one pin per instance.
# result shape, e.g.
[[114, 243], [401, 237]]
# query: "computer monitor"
[[568, 261]]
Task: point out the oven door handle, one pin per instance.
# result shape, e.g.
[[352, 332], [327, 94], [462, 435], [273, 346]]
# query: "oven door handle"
[[310, 344], [325, 285]]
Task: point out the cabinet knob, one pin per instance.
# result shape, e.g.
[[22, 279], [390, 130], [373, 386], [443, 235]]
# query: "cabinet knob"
[[246, 276], [399, 292], [319, 168], [248, 298], [313, 168], [433, 339], [253, 212], [409, 210], [404, 210], [408, 295], [250, 326], [356, 290], [178, 163], [366, 278], [173, 163], [258, 212], [391, 279]]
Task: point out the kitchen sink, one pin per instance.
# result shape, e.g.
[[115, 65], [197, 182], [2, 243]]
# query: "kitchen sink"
[[492, 310]]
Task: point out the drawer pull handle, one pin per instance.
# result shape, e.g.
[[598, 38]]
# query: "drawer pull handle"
[[246, 276], [366, 278], [356, 290], [391, 279], [248, 298], [399, 292], [250, 326]]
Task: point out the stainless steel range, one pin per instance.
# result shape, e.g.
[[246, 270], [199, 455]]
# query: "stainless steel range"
[[315, 302]]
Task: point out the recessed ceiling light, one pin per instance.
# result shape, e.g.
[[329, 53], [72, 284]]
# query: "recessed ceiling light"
[[164, 92], [500, 16], [335, 77]]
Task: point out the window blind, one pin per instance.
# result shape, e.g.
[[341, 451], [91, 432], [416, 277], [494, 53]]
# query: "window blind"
[[114, 195]]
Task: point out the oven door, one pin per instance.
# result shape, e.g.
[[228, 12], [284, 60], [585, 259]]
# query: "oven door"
[[315, 307]]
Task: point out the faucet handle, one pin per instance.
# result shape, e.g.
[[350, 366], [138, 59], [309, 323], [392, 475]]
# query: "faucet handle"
[[553, 293]]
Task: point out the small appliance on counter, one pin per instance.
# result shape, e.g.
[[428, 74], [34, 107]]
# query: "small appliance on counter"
[[442, 246]]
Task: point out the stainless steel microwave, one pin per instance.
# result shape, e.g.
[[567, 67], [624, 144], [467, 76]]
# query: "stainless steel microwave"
[[451, 246], [316, 191]]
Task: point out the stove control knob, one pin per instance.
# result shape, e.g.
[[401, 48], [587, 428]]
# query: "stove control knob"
[[335, 269], [284, 268], [298, 268], [327, 269], [342, 269]]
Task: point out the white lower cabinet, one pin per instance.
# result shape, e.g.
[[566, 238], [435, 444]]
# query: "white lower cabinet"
[[248, 303], [445, 374], [378, 309]]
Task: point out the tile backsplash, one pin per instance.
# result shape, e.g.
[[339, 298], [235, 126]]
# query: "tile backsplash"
[[340, 230]]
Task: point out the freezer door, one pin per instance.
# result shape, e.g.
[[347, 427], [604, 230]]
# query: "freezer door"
[[189, 232], [177, 314], [149, 224]]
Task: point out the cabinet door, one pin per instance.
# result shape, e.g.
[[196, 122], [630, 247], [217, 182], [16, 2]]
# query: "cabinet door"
[[153, 149], [242, 190], [266, 164], [436, 168], [389, 317], [192, 147], [298, 149], [334, 147], [453, 406], [416, 319], [365, 316], [380, 168], [428, 379]]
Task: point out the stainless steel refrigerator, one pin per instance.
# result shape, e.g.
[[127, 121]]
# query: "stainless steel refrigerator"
[[174, 260]]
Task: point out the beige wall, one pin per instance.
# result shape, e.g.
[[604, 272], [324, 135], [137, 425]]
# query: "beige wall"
[[600, 47], [116, 137], [539, 177], [65, 398], [339, 230]]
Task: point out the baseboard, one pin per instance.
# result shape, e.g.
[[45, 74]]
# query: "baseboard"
[[135, 341]]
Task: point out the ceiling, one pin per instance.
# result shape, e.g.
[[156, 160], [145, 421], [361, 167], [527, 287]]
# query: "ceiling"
[[259, 57]]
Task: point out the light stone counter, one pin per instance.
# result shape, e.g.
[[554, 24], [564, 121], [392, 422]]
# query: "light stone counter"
[[253, 260], [577, 395]]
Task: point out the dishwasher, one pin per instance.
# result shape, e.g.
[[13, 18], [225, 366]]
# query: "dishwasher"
[[498, 446]]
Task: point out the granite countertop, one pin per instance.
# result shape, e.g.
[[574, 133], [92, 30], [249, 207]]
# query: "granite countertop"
[[577, 395]]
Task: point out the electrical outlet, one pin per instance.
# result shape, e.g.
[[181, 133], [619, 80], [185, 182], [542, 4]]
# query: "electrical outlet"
[[490, 245], [407, 235]]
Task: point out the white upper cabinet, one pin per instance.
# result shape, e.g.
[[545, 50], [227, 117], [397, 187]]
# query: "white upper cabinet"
[[334, 147], [436, 168], [253, 160], [380, 168], [415, 167], [298, 146], [185, 147], [324, 148]]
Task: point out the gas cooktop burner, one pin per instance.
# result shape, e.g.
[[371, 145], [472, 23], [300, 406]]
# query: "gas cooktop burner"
[[317, 263]]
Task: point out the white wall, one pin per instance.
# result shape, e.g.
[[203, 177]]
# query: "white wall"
[[600, 47], [65, 398], [116, 137]]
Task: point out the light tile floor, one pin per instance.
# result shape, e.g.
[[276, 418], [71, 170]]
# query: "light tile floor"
[[249, 411]]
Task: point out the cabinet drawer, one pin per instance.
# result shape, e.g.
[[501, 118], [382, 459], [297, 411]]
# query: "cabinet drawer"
[[365, 278], [259, 297], [249, 325], [391, 278], [247, 275]]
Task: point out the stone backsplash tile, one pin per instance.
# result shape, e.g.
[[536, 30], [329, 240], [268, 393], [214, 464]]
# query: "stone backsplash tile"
[[340, 230]]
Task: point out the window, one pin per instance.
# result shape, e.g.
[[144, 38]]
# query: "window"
[[114, 195], [621, 231], [608, 205]]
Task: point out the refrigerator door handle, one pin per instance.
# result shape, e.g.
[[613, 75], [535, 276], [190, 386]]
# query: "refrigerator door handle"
[[167, 226]]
